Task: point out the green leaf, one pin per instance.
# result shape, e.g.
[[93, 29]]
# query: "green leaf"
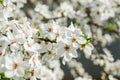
[[46, 38], [1, 1], [111, 26], [45, 20], [26, 73], [2, 77], [38, 33], [85, 36], [88, 41], [74, 20]]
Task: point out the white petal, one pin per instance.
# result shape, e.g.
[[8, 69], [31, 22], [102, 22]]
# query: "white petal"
[[20, 38], [51, 36], [18, 58], [71, 27], [26, 46], [36, 46], [63, 61], [81, 40], [8, 63], [87, 51], [9, 74], [49, 46], [19, 72], [67, 56], [60, 51], [75, 45], [74, 54], [90, 46], [25, 64], [14, 47], [33, 78], [10, 35]]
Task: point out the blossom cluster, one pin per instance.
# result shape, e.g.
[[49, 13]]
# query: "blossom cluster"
[[37, 37]]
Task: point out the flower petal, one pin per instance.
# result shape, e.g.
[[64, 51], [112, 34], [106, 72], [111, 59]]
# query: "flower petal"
[[9, 73], [67, 56], [19, 72], [60, 51]]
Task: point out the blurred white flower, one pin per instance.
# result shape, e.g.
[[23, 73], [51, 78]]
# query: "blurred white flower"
[[66, 50], [47, 31], [87, 48], [14, 65], [31, 46]]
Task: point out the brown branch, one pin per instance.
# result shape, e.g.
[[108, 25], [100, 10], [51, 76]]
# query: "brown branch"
[[46, 40]]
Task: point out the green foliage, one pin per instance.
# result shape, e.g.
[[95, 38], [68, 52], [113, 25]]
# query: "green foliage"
[[1, 1], [46, 38], [38, 33], [111, 26], [26, 73], [45, 20], [2, 77], [74, 20], [87, 38]]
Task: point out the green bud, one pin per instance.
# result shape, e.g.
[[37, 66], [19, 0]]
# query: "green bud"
[[38, 33]]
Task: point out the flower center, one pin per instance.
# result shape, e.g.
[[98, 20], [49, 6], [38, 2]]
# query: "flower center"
[[57, 34], [29, 45], [97, 4], [67, 47], [83, 45], [32, 72], [74, 39], [49, 52], [14, 41], [15, 65], [98, 13], [49, 30]]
